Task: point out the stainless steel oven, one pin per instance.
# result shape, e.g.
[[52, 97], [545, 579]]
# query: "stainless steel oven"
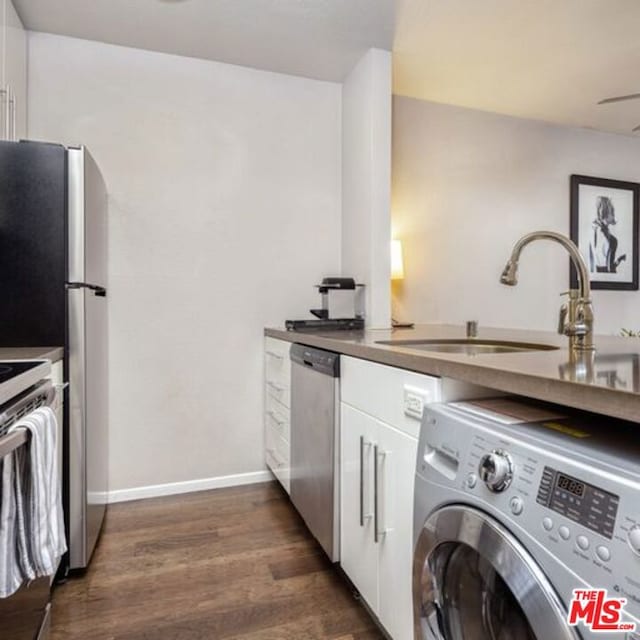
[[25, 614]]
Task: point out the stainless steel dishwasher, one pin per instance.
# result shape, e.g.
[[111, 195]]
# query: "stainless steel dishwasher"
[[315, 424]]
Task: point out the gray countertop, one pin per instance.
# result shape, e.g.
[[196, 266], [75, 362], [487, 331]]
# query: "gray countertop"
[[607, 382], [31, 353]]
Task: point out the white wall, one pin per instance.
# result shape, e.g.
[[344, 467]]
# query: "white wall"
[[224, 211], [466, 186], [366, 181]]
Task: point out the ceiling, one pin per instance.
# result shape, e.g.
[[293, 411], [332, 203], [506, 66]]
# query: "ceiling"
[[320, 39], [550, 60]]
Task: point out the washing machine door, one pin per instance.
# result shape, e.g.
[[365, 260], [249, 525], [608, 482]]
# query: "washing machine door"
[[472, 580]]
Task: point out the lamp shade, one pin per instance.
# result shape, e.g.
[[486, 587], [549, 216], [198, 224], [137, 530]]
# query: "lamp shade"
[[397, 264]]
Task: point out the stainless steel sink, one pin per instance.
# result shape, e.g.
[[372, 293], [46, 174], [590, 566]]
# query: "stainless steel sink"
[[468, 346]]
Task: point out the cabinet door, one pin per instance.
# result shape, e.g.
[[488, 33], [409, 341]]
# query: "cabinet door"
[[15, 72], [396, 469], [358, 552]]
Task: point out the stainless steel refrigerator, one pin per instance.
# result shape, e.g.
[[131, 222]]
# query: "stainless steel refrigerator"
[[53, 287]]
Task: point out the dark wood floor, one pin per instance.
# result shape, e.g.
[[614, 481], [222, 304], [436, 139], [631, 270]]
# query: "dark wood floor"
[[231, 563]]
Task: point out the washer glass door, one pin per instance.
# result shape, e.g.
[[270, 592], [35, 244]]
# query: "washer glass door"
[[474, 581], [475, 602]]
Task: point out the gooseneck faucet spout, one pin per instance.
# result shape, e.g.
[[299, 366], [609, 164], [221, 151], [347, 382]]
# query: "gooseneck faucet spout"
[[576, 317]]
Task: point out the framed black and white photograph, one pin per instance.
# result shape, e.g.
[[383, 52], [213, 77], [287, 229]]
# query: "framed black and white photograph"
[[604, 225]]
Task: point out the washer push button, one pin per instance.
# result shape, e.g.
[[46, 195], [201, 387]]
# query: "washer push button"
[[634, 539], [516, 505], [582, 542], [547, 523]]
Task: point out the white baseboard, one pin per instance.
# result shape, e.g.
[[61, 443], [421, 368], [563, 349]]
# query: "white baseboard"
[[189, 486]]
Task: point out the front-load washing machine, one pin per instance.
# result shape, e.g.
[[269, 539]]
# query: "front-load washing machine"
[[517, 506]]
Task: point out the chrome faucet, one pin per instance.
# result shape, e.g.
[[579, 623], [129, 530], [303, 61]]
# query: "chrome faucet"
[[576, 316]]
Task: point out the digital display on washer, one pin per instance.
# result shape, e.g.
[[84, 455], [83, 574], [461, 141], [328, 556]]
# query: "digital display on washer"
[[570, 485], [579, 501]]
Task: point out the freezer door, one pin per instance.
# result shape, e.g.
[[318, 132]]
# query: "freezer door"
[[88, 239], [88, 422], [33, 202]]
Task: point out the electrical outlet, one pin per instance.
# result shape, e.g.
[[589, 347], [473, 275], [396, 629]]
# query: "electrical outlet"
[[414, 401]]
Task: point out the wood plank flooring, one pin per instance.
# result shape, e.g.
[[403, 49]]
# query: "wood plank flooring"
[[230, 564]]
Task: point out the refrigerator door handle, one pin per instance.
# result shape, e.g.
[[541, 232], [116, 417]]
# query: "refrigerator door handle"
[[97, 290], [4, 105], [7, 113]]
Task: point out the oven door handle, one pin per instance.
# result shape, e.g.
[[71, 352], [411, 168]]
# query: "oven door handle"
[[17, 438], [13, 441]]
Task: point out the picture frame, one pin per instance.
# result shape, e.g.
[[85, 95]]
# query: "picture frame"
[[604, 226]]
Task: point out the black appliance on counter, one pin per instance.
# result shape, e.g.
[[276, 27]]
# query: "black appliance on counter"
[[342, 307], [53, 266]]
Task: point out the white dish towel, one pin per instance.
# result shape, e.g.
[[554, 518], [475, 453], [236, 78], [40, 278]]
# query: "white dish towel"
[[32, 535]]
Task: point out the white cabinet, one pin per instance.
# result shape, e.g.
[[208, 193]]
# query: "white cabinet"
[[379, 439], [277, 408], [396, 463], [358, 553], [13, 80]]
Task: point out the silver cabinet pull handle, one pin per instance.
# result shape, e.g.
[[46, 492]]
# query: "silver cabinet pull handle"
[[275, 355], [275, 387], [274, 416], [363, 444], [376, 495], [362, 481]]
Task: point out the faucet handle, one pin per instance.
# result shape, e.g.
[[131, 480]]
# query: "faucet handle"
[[562, 318]]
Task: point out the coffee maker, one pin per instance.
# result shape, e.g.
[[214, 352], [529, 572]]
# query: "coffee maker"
[[342, 307]]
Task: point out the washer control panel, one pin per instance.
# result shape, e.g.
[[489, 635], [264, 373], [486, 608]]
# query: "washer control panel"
[[579, 501]]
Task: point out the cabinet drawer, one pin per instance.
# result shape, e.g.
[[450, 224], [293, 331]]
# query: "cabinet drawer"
[[277, 362], [380, 390], [277, 369], [277, 456], [277, 444], [278, 417], [279, 391]]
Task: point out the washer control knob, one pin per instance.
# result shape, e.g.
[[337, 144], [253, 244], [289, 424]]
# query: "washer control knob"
[[516, 505], [634, 538], [496, 470]]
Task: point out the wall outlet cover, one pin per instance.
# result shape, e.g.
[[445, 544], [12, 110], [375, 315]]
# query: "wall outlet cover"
[[414, 401]]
